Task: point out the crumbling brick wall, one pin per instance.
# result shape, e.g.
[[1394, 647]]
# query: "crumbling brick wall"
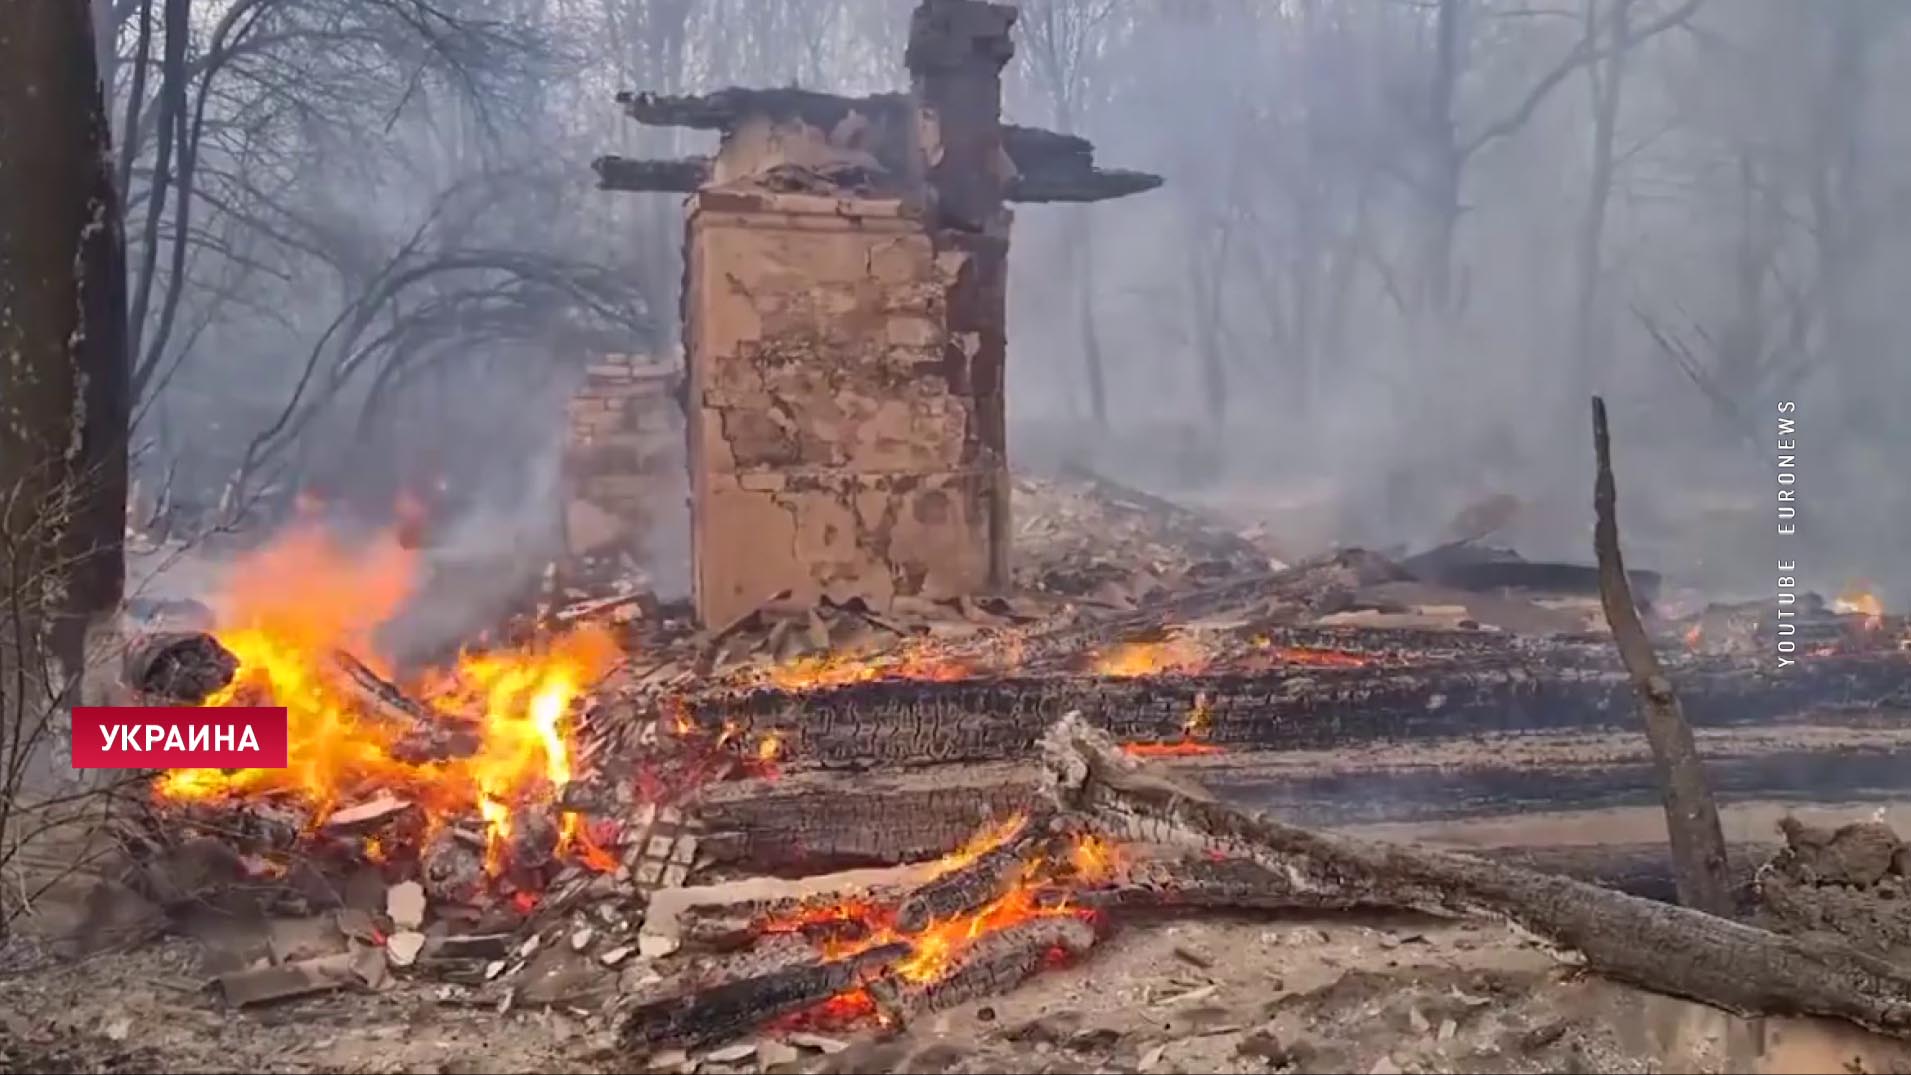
[[844, 406], [623, 465]]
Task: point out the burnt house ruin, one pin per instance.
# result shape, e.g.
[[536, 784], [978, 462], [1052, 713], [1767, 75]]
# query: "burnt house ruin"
[[844, 319]]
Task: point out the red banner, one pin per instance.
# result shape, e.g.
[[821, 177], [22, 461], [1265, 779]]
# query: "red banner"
[[151, 737]]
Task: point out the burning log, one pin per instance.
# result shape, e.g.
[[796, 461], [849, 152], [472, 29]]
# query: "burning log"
[[427, 737], [734, 1008], [1664, 948], [996, 963], [1553, 686], [182, 666], [993, 874]]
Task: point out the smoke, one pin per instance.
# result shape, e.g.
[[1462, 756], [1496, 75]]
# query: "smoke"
[[1281, 331]]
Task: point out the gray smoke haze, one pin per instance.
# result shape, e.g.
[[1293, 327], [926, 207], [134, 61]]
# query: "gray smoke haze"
[[1288, 328]]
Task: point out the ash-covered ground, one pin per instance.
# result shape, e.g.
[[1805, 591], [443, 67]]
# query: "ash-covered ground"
[[1209, 995]]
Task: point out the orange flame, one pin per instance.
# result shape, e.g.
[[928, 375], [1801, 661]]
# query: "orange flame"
[[1040, 891], [1132, 659], [1694, 635], [915, 660], [1193, 730], [1859, 600], [284, 612]]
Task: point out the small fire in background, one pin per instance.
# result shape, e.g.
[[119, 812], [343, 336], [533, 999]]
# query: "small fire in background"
[[1309, 656], [1694, 636], [288, 609], [917, 660], [1129, 660], [1858, 599]]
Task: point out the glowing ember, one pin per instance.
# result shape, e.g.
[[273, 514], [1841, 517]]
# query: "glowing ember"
[[768, 747], [1694, 635], [1193, 730], [1180, 748], [1131, 659], [1309, 656], [1859, 600], [1040, 892], [284, 613], [916, 660]]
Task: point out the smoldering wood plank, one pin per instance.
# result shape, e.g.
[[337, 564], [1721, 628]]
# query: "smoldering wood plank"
[[811, 822], [907, 722], [733, 1008]]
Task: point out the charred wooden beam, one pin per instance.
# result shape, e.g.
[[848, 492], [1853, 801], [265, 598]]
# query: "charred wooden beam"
[[996, 963], [734, 1008], [805, 823], [1092, 185], [992, 875], [683, 176], [427, 735], [1202, 883], [1051, 167], [907, 722], [724, 109], [182, 666], [1664, 948]]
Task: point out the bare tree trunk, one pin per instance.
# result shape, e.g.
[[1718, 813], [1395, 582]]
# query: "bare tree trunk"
[[1699, 866], [1081, 249], [63, 378], [1446, 162]]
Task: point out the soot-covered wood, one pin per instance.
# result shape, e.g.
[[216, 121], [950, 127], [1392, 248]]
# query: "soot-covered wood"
[[909, 722], [734, 1008]]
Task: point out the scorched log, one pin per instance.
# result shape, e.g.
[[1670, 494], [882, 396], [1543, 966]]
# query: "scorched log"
[[995, 963], [806, 823], [1664, 948], [735, 1008], [916, 722], [992, 875]]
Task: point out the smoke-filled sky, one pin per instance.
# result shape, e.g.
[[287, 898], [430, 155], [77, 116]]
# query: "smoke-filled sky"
[[1399, 245]]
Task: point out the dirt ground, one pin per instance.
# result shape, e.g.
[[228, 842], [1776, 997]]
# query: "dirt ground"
[[1207, 995]]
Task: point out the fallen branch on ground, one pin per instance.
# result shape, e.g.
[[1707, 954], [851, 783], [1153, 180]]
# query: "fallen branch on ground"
[[1673, 950]]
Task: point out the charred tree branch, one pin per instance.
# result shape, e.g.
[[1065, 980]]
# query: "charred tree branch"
[[1692, 819]]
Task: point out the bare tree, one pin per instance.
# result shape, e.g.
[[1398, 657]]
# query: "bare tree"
[[1060, 42], [63, 376]]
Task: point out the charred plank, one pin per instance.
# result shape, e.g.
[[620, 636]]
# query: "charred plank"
[[996, 963], [427, 735], [733, 1008], [991, 876]]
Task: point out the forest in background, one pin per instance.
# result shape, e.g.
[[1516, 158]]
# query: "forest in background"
[[1400, 242]]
